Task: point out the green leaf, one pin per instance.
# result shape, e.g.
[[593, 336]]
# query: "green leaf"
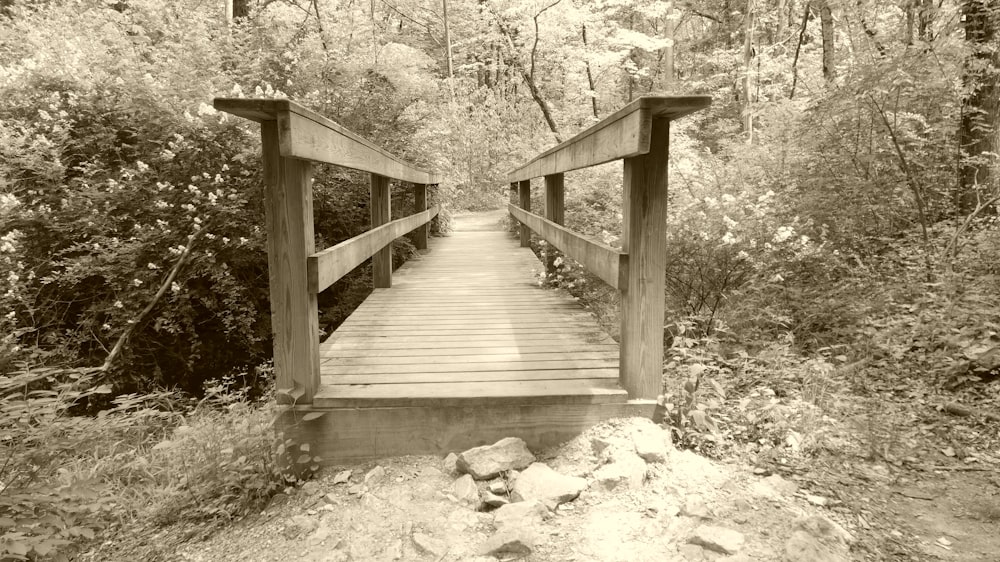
[[304, 447], [313, 416], [303, 459]]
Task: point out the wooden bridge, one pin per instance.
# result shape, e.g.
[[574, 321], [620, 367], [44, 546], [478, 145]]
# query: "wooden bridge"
[[460, 346]]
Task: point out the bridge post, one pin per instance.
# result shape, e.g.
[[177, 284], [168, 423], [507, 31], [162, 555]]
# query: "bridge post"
[[294, 312], [524, 190], [419, 206], [381, 214], [643, 238], [555, 212]]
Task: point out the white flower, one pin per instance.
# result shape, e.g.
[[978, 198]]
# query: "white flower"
[[137, 282], [44, 115], [141, 166], [783, 233], [175, 287], [205, 109], [728, 238], [118, 304], [152, 266], [730, 223], [106, 326]]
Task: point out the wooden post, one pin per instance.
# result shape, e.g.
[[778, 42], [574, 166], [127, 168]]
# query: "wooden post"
[[420, 205], [643, 238], [380, 211], [524, 190], [294, 313], [555, 212]]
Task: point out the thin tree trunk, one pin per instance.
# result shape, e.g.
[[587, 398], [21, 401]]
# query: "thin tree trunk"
[[748, 32], [798, 48], [782, 10], [590, 75], [669, 27], [826, 24], [447, 40], [869, 31]]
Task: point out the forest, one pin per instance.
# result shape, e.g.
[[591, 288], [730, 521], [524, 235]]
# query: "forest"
[[832, 229]]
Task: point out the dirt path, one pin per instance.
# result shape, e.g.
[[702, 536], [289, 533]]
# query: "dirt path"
[[481, 221]]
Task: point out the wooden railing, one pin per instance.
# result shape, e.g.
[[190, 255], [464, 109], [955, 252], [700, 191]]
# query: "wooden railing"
[[294, 137], [639, 135]]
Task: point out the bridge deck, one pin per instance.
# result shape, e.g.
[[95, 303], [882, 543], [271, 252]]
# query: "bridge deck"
[[467, 324]]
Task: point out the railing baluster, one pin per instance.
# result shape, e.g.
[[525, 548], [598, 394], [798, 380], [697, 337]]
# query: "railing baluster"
[[555, 212], [294, 312], [524, 190], [643, 237], [381, 214], [420, 205]]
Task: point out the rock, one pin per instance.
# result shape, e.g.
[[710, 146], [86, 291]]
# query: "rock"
[[717, 539], [357, 489], [298, 526], [694, 506], [464, 489], [374, 476], [429, 545], [987, 363], [449, 464], [540, 482], [772, 487], [342, 476], [735, 558], [527, 513], [691, 552], [331, 499], [319, 536], [489, 461], [627, 469], [493, 500], [651, 443], [599, 444], [499, 487], [277, 500], [310, 488], [817, 539], [517, 540]]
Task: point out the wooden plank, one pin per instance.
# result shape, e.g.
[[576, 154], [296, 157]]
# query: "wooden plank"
[[579, 391], [345, 436], [328, 266], [481, 376], [294, 310], [555, 212], [524, 191], [644, 232], [471, 367], [603, 261], [623, 134], [596, 336], [490, 359], [419, 206], [394, 350], [381, 214], [308, 135]]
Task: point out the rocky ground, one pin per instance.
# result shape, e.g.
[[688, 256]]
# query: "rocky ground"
[[620, 492]]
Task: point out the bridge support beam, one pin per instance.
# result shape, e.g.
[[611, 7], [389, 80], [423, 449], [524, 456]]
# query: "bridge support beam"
[[644, 232], [419, 206], [381, 214], [294, 312], [524, 190], [555, 212]]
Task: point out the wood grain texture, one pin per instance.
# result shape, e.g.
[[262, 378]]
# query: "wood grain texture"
[[308, 135], [623, 134], [294, 311], [381, 214], [524, 195], [603, 261], [328, 266], [555, 212], [342, 436], [419, 206], [643, 237], [467, 322]]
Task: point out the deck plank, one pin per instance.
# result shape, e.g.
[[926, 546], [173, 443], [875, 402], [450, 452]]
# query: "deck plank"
[[467, 324]]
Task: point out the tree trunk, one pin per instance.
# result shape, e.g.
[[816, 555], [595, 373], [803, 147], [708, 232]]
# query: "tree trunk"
[[590, 75], [748, 56], [980, 111], [826, 24], [669, 26], [798, 48], [925, 19], [241, 8]]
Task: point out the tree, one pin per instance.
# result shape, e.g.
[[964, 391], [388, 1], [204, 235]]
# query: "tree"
[[980, 106], [826, 25]]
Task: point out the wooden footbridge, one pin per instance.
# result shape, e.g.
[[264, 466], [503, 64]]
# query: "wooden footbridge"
[[460, 346]]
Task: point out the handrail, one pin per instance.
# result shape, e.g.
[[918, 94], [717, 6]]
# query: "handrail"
[[328, 266], [622, 134], [292, 138], [609, 264], [638, 134], [308, 135]]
